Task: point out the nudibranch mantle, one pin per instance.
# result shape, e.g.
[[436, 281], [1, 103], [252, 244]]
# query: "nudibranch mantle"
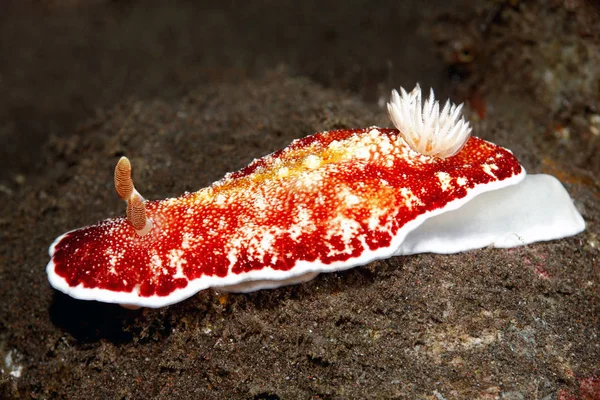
[[327, 202]]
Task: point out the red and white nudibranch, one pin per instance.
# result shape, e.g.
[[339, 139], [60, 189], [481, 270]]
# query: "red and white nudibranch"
[[327, 202]]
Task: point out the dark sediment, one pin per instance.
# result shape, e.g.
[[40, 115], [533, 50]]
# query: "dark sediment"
[[190, 94]]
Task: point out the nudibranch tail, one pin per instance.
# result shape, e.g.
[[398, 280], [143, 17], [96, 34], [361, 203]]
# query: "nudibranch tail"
[[424, 127], [136, 209]]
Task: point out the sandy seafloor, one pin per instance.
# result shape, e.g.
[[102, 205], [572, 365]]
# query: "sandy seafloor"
[[191, 91]]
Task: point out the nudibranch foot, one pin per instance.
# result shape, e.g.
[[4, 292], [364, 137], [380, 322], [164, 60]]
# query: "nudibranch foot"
[[130, 306], [536, 209], [253, 286]]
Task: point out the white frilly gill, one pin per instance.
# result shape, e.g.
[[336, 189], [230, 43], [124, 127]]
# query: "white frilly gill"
[[424, 127]]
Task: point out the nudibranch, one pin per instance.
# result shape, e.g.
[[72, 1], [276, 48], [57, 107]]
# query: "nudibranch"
[[327, 202]]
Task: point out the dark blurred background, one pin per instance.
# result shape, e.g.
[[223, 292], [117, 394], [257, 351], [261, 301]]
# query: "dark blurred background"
[[63, 61], [60, 61]]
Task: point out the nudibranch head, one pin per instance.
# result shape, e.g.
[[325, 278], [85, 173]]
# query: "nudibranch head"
[[424, 127]]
